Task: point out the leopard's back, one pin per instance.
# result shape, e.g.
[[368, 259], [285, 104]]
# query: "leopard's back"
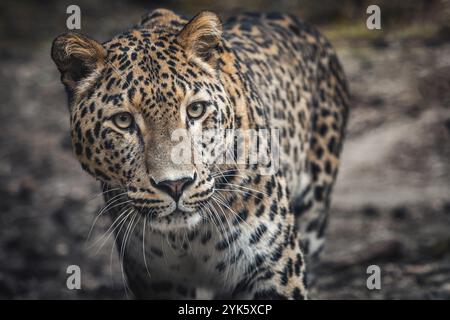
[[299, 88]]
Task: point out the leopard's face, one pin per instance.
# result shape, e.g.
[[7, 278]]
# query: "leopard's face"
[[149, 120]]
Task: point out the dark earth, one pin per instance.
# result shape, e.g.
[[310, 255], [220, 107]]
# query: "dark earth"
[[391, 205]]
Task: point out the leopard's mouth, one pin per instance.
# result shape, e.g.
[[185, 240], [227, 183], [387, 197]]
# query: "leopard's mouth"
[[159, 216]]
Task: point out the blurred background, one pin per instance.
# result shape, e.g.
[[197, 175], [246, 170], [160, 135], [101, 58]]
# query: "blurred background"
[[391, 204]]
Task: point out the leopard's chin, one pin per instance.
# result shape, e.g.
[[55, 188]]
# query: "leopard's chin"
[[177, 220]]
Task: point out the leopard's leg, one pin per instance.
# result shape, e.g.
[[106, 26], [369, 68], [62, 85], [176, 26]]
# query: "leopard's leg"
[[311, 210], [271, 265], [311, 206], [284, 277]]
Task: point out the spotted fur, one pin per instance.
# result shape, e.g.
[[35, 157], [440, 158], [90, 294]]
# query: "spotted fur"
[[233, 232]]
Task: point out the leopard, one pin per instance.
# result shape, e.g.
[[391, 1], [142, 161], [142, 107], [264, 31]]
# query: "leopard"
[[210, 228]]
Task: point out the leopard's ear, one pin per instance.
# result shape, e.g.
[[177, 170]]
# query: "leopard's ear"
[[77, 57], [201, 37], [160, 17]]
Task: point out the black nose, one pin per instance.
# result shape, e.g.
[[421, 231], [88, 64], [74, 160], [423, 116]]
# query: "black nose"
[[174, 188]]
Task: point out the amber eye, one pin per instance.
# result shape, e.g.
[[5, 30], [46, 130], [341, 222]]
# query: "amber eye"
[[123, 120], [196, 109]]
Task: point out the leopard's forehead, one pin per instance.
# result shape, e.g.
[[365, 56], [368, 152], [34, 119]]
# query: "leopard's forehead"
[[148, 68], [154, 53]]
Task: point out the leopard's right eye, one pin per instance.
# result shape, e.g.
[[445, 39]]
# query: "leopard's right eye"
[[123, 120]]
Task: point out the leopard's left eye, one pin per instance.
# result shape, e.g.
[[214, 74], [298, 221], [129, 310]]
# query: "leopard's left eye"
[[196, 109], [123, 120]]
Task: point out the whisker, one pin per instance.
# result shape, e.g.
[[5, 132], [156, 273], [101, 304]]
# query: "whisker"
[[144, 253], [124, 243], [110, 230], [103, 193], [240, 191], [116, 237], [226, 236], [246, 188], [102, 211]]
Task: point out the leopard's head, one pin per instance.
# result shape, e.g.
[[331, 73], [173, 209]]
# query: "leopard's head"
[[138, 104]]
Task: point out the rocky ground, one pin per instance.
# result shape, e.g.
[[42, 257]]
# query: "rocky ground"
[[391, 205]]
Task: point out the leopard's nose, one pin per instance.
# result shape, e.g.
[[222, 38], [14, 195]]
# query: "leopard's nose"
[[174, 188]]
